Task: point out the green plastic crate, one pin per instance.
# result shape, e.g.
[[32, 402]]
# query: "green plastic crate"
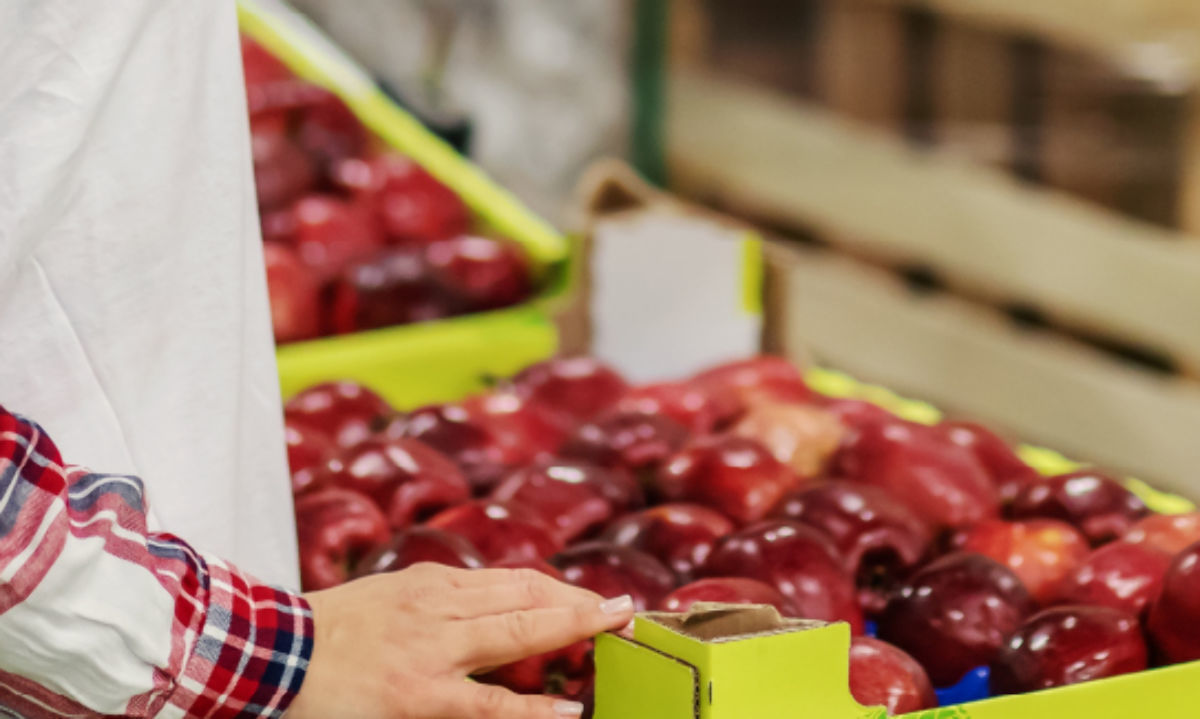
[[412, 365]]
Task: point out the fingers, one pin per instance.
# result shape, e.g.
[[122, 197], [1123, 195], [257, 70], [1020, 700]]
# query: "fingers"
[[522, 591], [480, 701], [503, 638]]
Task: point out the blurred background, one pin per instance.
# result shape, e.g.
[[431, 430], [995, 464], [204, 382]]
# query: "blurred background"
[[987, 204]]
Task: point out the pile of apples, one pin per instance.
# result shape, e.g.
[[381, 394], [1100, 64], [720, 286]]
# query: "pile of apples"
[[947, 555], [356, 237]]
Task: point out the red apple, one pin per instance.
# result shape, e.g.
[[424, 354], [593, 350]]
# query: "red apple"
[[421, 544], [679, 535], [335, 528], [480, 273], [942, 482], [503, 533], [331, 233], [700, 408], [638, 442], [799, 561], [1171, 533], [415, 207], [282, 171], [524, 431], [1041, 552], [884, 675], [270, 86], [804, 437], [308, 449], [726, 590], [577, 388], [394, 287], [330, 132], [1096, 503], [855, 413], [611, 570], [1068, 645], [574, 498], [459, 434], [954, 614], [759, 378], [1008, 471], [1174, 620], [409, 480], [880, 538], [731, 474], [1120, 575], [294, 292], [346, 412]]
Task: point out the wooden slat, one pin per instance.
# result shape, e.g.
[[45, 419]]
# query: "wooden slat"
[[970, 361], [1151, 38], [783, 160]]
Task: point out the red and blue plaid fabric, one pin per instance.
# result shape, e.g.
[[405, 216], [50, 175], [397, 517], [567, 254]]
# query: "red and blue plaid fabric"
[[100, 616]]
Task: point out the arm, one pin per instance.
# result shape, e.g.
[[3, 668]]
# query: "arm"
[[99, 616]]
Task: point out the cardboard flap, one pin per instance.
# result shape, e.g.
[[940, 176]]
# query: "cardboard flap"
[[715, 622]]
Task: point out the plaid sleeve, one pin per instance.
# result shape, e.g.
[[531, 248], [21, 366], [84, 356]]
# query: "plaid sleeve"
[[101, 617]]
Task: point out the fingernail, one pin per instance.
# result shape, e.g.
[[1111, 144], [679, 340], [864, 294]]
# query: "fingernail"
[[568, 709], [617, 605]]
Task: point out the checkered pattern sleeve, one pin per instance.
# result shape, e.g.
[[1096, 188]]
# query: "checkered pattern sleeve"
[[100, 616]]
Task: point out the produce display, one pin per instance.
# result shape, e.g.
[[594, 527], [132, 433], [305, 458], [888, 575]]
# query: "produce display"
[[355, 236], [948, 556]]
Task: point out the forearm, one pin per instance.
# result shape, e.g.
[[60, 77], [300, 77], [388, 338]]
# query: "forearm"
[[100, 616]]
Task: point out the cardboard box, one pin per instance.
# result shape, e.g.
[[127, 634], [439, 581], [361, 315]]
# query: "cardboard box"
[[413, 365]]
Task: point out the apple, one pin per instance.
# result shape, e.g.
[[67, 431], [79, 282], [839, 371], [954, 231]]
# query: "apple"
[[855, 413], [702, 409], [885, 675], [679, 535], [421, 544], [799, 561], [1041, 552], [308, 449], [409, 480], [577, 388], [732, 474], [1095, 503], [804, 437], [1068, 645], [271, 88], [1171, 533], [294, 292], [611, 570], [1121, 575], [330, 132], [725, 590], [480, 273], [1174, 620], [574, 498], [347, 412], [881, 540], [942, 482], [954, 614], [757, 379], [335, 528], [394, 287], [1008, 471], [459, 434], [415, 207], [503, 533], [523, 431], [282, 171], [331, 233], [637, 442]]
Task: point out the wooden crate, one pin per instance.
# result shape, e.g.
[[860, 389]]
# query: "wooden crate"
[[1096, 99]]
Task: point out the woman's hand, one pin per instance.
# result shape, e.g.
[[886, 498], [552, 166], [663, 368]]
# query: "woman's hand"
[[401, 645]]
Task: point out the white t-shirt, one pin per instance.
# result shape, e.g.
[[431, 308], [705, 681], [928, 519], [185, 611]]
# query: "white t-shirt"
[[134, 324]]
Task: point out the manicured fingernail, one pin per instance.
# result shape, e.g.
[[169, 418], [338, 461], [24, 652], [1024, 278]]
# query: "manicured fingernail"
[[568, 709], [617, 605]]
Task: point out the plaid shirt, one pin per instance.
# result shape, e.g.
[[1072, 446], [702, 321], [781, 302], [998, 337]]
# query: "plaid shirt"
[[100, 616]]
